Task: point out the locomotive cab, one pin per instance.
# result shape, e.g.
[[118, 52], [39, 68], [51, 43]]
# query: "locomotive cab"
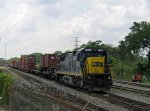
[[95, 69]]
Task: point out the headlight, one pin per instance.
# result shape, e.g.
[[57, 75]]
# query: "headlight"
[[89, 77]]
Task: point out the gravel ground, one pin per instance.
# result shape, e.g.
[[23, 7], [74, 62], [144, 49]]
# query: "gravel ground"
[[132, 95], [3, 109], [131, 86], [94, 100]]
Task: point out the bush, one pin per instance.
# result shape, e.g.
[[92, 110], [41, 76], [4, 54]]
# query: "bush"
[[5, 81], [128, 68]]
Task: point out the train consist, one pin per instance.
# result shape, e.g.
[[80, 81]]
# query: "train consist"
[[86, 68], [26, 63]]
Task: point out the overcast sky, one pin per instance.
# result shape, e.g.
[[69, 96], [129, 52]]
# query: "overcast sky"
[[28, 26]]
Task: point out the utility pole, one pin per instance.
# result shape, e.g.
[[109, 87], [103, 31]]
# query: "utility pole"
[[76, 42]]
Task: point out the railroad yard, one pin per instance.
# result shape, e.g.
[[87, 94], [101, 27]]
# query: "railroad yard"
[[74, 55], [44, 94]]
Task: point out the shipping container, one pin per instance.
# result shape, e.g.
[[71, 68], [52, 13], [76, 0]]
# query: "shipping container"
[[15, 64], [28, 63], [49, 63]]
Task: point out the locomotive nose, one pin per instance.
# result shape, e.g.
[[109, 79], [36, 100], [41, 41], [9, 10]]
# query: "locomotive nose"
[[95, 65]]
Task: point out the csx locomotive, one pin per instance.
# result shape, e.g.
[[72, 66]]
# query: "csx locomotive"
[[87, 68]]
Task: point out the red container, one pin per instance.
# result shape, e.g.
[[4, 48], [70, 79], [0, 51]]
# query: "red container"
[[137, 77], [15, 64], [27, 63], [49, 62]]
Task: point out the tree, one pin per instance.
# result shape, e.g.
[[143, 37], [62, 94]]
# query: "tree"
[[139, 38], [92, 44], [38, 56], [58, 52]]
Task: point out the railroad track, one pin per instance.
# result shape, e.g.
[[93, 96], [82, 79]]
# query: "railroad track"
[[142, 92], [128, 103], [112, 98], [57, 95], [132, 83]]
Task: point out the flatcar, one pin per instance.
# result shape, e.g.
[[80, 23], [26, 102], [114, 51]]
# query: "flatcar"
[[86, 68]]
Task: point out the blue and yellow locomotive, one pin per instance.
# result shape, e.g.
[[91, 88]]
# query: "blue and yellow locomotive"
[[87, 68]]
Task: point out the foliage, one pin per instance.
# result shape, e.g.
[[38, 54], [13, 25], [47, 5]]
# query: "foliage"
[[58, 52], [11, 59], [92, 44], [138, 39], [38, 56], [5, 82], [142, 67]]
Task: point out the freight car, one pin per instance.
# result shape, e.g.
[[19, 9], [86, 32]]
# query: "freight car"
[[48, 64], [87, 68], [15, 64], [27, 63]]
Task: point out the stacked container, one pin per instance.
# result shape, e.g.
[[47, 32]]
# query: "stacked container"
[[49, 63], [15, 64], [28, 63]]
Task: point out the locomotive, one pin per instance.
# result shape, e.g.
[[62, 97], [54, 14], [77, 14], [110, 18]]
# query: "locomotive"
[[87, 68]]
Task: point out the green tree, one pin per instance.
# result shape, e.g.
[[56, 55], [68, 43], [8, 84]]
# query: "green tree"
[[92, 44], [139, 38], [38, 56], [58, 52]]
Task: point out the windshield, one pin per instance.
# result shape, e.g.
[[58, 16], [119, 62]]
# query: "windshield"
[[84, 55]]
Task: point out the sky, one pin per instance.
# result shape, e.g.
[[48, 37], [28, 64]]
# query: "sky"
[[28, 26]]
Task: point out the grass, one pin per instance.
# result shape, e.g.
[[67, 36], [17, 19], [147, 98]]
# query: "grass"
[[5, 82]]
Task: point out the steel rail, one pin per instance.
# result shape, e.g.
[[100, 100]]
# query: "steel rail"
[[132, 83], [142, 92], [77, 104], [128, 103]]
